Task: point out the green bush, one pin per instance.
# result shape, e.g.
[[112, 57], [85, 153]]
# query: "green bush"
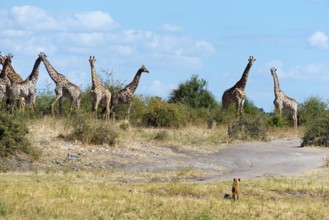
[[193, 93], [317, 133], [13, 137], [253, 128], [162, 114], [311, 109], [314, 115], [276, 120], [90, 131]]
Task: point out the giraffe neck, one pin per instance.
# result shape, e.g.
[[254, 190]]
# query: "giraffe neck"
[[243, 81], [277, 89], [133, 85], [51, 70], [94, 78], [35, 71], [4, 74], [11, 73], [2, 59]]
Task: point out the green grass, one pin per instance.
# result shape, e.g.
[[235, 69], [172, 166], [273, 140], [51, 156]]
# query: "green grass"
[[91, 196]]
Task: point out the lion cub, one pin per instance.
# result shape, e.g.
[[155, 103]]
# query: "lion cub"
[[236, 189]]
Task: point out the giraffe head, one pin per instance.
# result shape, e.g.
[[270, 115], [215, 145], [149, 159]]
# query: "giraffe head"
[[92, 59], [42, 56], [9, 57], [144, 69], [273, 70], [251, 59]]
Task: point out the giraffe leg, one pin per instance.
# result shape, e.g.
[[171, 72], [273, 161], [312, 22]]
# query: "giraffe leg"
[[238, 111], [60, 105], [128, 111], [79, 102], [107, 110], [96, 107], [113, 109], [294, 117], [22, 103], [53, 104]]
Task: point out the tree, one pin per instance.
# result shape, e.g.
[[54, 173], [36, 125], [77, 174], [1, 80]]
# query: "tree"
[[193, 93]]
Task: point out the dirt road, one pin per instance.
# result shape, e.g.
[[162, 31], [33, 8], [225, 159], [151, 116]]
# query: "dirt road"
[[282, 157]]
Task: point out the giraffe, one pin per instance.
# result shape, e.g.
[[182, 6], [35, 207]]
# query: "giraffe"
[[4, 79], [236, 94], [27, 88], [12, 75], [64, 88], [126, 94], [98, 91], [282, 101]]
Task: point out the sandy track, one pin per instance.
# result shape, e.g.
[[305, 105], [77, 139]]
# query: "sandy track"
[[282, 157]]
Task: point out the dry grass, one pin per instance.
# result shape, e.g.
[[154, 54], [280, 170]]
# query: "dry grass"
[[288, 132], [91, 196], [53, 192]]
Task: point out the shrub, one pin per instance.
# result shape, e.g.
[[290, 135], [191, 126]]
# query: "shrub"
[[162, 114], [276, 120], [90, 131], [13, 137], [314, 115], [317, 133], [247, 129], [193, 93], [249, 111], [311, 109]]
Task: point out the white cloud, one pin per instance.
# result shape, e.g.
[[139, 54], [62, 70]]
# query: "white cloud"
[[11, 33], [33, 18], [171, 28], [83, 39], [29, 17], [319, 40], [27, 30], [123, 50], [94, 20]]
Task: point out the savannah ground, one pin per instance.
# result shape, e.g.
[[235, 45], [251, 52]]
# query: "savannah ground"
[[114, 182]]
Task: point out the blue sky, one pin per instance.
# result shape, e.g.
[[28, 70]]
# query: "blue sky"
[[174, 40]]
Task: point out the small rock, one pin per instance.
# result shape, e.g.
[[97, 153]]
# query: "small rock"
[[71, 156]]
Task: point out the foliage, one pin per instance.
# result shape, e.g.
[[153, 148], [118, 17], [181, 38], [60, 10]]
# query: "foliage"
[[249, 111], [248, 128], [90, 131], [13, 137], [138, 109], [193, 93], [162, 114], [314, 115], [311, 109], [276, 120], [317, 133], [109, 82]]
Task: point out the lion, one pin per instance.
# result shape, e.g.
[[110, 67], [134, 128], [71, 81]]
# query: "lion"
[[236, 189]]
